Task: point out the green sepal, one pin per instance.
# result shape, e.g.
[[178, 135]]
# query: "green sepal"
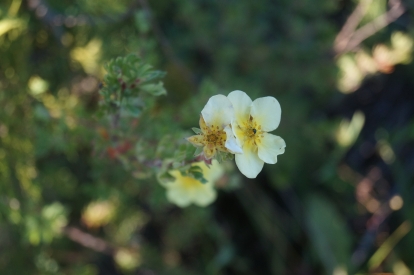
[[198, 151], [223, 156], [196, 130]]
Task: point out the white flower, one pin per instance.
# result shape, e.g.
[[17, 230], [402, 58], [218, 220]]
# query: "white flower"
[[250, 126], [185, 190], [216, 133]]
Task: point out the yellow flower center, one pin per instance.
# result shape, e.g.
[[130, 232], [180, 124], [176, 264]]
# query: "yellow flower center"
[[215, 137], [189, 182], [211, 138], [252, 132]]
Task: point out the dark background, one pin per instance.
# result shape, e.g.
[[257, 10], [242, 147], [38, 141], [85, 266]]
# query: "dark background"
[[339, 201]]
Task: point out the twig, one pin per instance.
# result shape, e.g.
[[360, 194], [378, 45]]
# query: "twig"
[[343, 37], [344, 45], [87, 240], [373, 226]]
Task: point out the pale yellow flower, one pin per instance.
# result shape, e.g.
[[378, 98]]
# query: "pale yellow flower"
[[185, 190], [215, 133], [252, 122]]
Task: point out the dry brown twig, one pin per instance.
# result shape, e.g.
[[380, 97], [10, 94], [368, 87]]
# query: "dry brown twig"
[[349, 38], [87, 240]]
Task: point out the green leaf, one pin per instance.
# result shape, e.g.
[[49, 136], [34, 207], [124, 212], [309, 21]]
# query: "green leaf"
[[197, 173], [133, 111], [196, 169], [154, 89], [199, 176], [125, 78], [151, 76], [328, 233]]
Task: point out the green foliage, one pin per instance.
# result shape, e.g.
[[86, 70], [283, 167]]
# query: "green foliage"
[[127, 79], [197, 173], [329, 234], [64, 167]]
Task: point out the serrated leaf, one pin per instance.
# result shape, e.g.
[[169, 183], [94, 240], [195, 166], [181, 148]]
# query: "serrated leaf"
[[151, 76], [195, 169], [154, 89], [123, 74], [144, 68], [200, 177]]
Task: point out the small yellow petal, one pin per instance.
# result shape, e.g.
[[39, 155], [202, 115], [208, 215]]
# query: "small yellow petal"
[[203, 125], [196, 140], [209, 151]]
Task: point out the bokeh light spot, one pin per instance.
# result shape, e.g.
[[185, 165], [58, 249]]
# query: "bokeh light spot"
[[396, 203]]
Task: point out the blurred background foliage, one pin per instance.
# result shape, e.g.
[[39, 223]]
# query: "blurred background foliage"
[[78, 191]]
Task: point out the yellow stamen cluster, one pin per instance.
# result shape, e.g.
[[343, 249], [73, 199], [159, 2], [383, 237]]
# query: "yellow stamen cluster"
[[211, 138], [214, 137], [252, 132]]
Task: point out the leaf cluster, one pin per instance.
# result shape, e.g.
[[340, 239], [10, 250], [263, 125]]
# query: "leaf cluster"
[[127, 81]]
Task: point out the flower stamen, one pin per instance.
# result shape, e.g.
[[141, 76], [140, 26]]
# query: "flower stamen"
[[212, 138]]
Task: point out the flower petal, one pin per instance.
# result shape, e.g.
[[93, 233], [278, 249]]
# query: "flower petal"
[[204, 195], [203, 125], [209, 151], [178, 196], [196, 140], [213, 172], [238, 133], [218, 111], [231, 143], [249, 163], [241, 104], [270, 146], [266, 112]]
